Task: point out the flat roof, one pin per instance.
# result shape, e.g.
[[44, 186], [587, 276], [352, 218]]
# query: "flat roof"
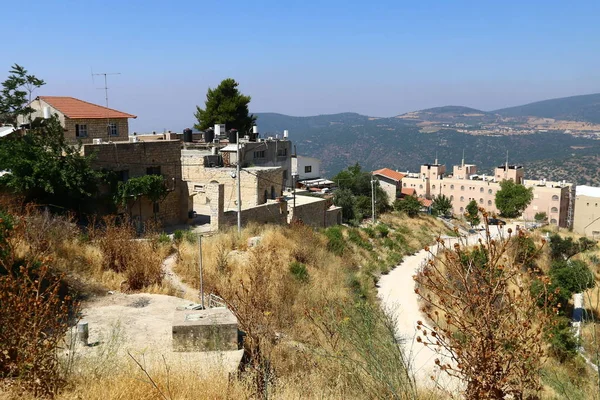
[[591, 191]]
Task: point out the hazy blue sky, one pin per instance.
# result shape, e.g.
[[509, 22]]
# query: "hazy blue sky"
[[379, 58]]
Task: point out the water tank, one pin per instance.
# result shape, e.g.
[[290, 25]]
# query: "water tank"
[[187, 135], [254, 135], [209, 136], [47, 112], [285, 134], [233, 136]]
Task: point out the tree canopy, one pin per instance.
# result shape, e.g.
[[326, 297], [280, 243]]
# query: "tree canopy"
[[16, 94], [225, 105], [409, 205], [42, 167], [442, 205], [472, 214], [512, 199]]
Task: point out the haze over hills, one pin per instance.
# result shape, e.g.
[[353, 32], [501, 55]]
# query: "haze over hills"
[[546, 130]]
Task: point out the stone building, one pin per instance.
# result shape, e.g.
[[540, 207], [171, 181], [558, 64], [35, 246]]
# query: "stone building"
[[134, 159], [390, 181], [82, 121], [465, 185], [306, 168]]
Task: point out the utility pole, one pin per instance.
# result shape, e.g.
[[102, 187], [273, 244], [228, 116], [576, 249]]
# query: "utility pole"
[[200, 265], [239, 186], [373, 198], [294, 177]]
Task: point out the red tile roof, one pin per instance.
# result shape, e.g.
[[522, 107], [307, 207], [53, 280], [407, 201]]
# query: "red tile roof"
[[389, 173], [425, 202], [75, 108], [408, 191]]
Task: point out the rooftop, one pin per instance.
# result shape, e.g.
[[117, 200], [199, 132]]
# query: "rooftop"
[[590, 191], [75, 108], [389, 173]]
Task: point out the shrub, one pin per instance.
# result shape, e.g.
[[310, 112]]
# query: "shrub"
[[355, 237], [163, 238], [369, 231], [299, 271], [335, 240], [382, 230], [410, 205], [178, 236]]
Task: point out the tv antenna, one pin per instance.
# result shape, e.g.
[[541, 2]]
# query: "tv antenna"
[[105, 74]]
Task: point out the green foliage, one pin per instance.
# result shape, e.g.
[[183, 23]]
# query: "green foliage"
[[382, 230], [343, 198], [225, 105], [163, 238], [355, 237], [410, 205], [369, 231], [16, 93], [335, 240], [512, 199], [44, 168], [564, 249], [572, 276], [563, 343], [178, 236], [541, 216], [152, 187], [525, 251], [299, 271], [472, 214], [442, 205]]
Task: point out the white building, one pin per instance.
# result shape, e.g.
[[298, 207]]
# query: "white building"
[[306, 167]]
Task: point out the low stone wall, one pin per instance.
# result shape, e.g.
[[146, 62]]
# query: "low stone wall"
[[270, 213]]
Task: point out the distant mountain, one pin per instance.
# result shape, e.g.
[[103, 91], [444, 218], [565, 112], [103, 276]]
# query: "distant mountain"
[[585, 108], [408, 140]]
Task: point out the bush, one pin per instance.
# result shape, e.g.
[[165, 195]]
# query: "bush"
[[410, 205], [563, 344], [335, 240], [178, 236], [355, 237], [299, 271], [163, 238], [382, 230]]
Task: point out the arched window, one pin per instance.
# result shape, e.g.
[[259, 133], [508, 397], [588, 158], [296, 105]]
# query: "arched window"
[[480, 201], [420, 186], [462, 188], [272, 192], [462, 209], [433, 187], [489, 191], [451, 198], [462, 199], [555, 197], [451, 186], [554, 209], [489, 202], [481, 190], [553, 221], [404, 184]]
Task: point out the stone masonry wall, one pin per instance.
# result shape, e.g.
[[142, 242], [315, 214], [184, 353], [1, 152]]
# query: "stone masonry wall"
[[135, 158], [96, 128]]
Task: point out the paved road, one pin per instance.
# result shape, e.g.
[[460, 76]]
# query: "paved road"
[[396, 291]]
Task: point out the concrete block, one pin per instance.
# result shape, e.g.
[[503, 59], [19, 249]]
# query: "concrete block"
[[205, 330]]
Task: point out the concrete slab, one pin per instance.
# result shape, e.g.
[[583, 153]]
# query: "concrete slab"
[[205, 330]]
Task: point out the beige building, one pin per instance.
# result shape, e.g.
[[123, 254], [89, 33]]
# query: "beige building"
[[465, 185], [587, 211], [82, 121]]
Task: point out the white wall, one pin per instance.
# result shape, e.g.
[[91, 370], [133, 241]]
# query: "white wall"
[[300, 163]]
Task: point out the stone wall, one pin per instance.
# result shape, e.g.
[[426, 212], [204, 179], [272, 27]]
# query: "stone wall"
[[315, 212], [96, 128], [134, 159]]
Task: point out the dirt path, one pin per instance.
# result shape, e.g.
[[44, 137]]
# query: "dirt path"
[[184, 290], [396, 291]]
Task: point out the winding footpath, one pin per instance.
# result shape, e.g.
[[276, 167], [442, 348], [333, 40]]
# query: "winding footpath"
[[397, 295]]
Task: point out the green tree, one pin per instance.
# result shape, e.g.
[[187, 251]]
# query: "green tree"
[[472, 214], [16, 94], [343, 198], [442, 205], [564, 249], [512, 199], [225, 105], [152, 187], [409, 205], [541, 216], [42, 167]]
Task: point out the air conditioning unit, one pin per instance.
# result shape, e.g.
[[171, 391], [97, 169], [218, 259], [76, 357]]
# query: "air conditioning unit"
[[97, 141], [133, 139]]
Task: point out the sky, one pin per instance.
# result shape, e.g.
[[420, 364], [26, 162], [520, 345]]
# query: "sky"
[[378, 58]]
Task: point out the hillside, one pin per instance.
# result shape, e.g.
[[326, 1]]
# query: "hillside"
[[585, 108], [582, 170]]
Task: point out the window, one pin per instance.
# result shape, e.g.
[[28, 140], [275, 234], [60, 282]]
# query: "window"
[[153, 170], [462, 198], [285, 174], [554, 209], [480, 201], [199, 188], [555, 197], [462, 209], [308, 169], [489, 191], [420, 186], [462, 188], [122, 175], [266, 195], [259, 154], [451, 198], [451, 186], [112, 129], [481, 190], [433, 187], [489, 202], [281, 152], [553, 221], [404, 184], [273, 192], [81, 130]]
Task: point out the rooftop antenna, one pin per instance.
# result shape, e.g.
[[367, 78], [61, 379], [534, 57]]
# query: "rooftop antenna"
[[105, 74], [506, 166], [463, 159], [436, 158]]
